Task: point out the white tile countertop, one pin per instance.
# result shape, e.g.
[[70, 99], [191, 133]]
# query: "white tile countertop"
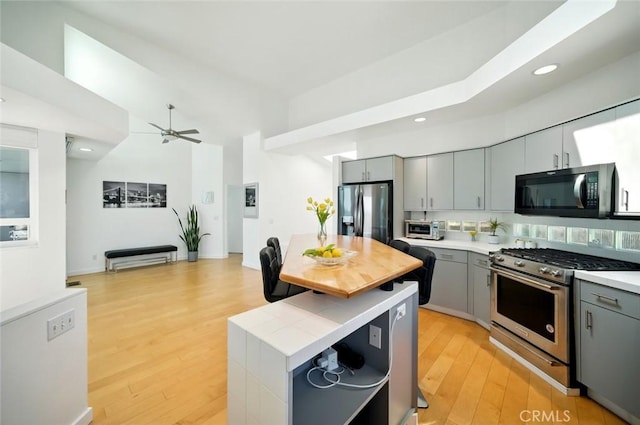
[[627, 281], [477, 247]]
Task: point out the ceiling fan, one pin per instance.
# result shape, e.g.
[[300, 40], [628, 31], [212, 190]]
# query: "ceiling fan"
[[171, 134]]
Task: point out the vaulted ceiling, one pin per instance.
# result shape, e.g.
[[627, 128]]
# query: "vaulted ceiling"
[[320, 61]]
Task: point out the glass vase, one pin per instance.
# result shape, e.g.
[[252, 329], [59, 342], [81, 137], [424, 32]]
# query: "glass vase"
[[322, 234]]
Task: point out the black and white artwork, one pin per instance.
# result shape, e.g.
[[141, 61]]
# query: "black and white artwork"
[[137, 195], [113, 194], [251, 200], [157, 195]]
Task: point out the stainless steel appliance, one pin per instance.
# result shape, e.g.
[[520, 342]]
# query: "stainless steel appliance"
[[422, 229], [532, 307], [574, 192], [366, 210]]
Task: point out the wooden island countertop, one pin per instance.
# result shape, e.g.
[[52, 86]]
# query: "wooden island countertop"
[[374, 264]]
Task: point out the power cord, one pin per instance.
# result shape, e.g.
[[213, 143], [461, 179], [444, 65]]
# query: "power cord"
[[327, 374]]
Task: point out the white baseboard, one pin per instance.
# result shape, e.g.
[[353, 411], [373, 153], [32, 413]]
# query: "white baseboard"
[[449, 311]]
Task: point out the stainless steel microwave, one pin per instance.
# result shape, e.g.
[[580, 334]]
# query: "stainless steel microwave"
[[585, 192]]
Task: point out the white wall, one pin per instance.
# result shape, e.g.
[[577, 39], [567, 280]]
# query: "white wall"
[[93, 229], [45, 382], [285, 183], [29, 272], [206, 176]]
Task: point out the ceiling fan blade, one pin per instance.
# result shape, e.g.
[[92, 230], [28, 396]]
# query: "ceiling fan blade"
[[165, 141], [192, 131], [157, 126], [189, 139]]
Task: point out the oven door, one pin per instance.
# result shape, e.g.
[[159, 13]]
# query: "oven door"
[[533, 309]]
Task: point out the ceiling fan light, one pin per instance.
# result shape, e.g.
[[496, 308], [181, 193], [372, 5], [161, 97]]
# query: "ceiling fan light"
[[170, 137]]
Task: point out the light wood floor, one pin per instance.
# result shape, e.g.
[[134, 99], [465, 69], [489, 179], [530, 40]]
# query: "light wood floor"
[[157, 354]]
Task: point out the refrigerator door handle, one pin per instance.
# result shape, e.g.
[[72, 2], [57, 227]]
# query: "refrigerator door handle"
[[358, 216]]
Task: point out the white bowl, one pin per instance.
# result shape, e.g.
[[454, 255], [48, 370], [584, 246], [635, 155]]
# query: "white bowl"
[[334, 261]]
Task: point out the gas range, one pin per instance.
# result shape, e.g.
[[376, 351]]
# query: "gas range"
[[554, 264]]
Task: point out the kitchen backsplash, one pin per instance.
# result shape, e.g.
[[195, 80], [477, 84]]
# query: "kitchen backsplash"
[[608, 238]]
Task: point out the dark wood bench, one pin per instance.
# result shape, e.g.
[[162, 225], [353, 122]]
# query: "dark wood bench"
[[170, 251]]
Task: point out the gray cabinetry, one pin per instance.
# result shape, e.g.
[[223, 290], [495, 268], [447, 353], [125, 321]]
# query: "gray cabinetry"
[[415, 184], [543, 150], [480, 287], [365, 170], [449, 283], [627, 152], [588, 140], [609, 344], [507, 161], [440, 181], [468, 180]]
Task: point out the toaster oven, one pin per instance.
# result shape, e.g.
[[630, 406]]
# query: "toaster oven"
[[422, 229]]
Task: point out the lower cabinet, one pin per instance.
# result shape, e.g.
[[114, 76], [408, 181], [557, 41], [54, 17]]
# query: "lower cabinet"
[[608, 346], [449, 283], [480, 287]]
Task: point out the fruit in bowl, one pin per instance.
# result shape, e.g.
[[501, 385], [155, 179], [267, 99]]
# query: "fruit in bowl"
[[329, 251], [329, 255]]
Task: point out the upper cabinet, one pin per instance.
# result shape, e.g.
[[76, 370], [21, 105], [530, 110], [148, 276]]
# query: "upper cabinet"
[[368, 170], [507, 161], [440, 181], [543, 150], [415, 184], [468, 180], [627, 147], [585, 141]]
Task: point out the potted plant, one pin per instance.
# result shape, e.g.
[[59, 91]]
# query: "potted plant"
[[494, 225], [191, 233]]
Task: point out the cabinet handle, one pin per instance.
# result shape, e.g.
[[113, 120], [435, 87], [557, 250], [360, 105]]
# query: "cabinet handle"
[[478, 202], [483, 262], [626, 200], [555, 161], [447, 256], [368, 175], [567, 156], [421, 202], [431, 202], [363, 176], [601, 297], [588, 320], [488, 280]]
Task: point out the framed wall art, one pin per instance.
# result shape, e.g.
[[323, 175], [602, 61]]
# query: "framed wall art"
[[251, 200]]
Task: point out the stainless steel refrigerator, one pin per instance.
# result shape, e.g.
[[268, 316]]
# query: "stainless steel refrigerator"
[[366, 210]]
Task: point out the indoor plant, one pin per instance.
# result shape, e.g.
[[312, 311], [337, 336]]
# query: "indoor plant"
[[323, 211], [494, 225], [191, 233]]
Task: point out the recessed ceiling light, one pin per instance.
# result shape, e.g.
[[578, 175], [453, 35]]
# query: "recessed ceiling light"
[[545, 69], [420, 119], [86, 149]]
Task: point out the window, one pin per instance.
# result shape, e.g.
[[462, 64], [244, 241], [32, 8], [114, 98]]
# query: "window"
[[18, 193]]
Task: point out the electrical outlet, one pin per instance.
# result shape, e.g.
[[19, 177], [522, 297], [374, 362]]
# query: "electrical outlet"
[[60, 324], [402, 310], [375, 336]]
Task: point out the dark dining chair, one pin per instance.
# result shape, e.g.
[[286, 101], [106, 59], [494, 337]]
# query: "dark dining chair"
[[423, 274], [400, 245], [274, 243], [275, 289]]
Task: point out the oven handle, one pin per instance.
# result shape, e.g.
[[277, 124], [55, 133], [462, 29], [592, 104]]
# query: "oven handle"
[[527, 280]]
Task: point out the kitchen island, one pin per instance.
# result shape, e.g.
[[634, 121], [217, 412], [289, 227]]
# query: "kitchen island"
[[271, 348]]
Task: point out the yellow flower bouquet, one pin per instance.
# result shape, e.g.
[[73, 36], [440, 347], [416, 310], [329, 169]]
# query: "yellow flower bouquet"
[[322, 210]]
